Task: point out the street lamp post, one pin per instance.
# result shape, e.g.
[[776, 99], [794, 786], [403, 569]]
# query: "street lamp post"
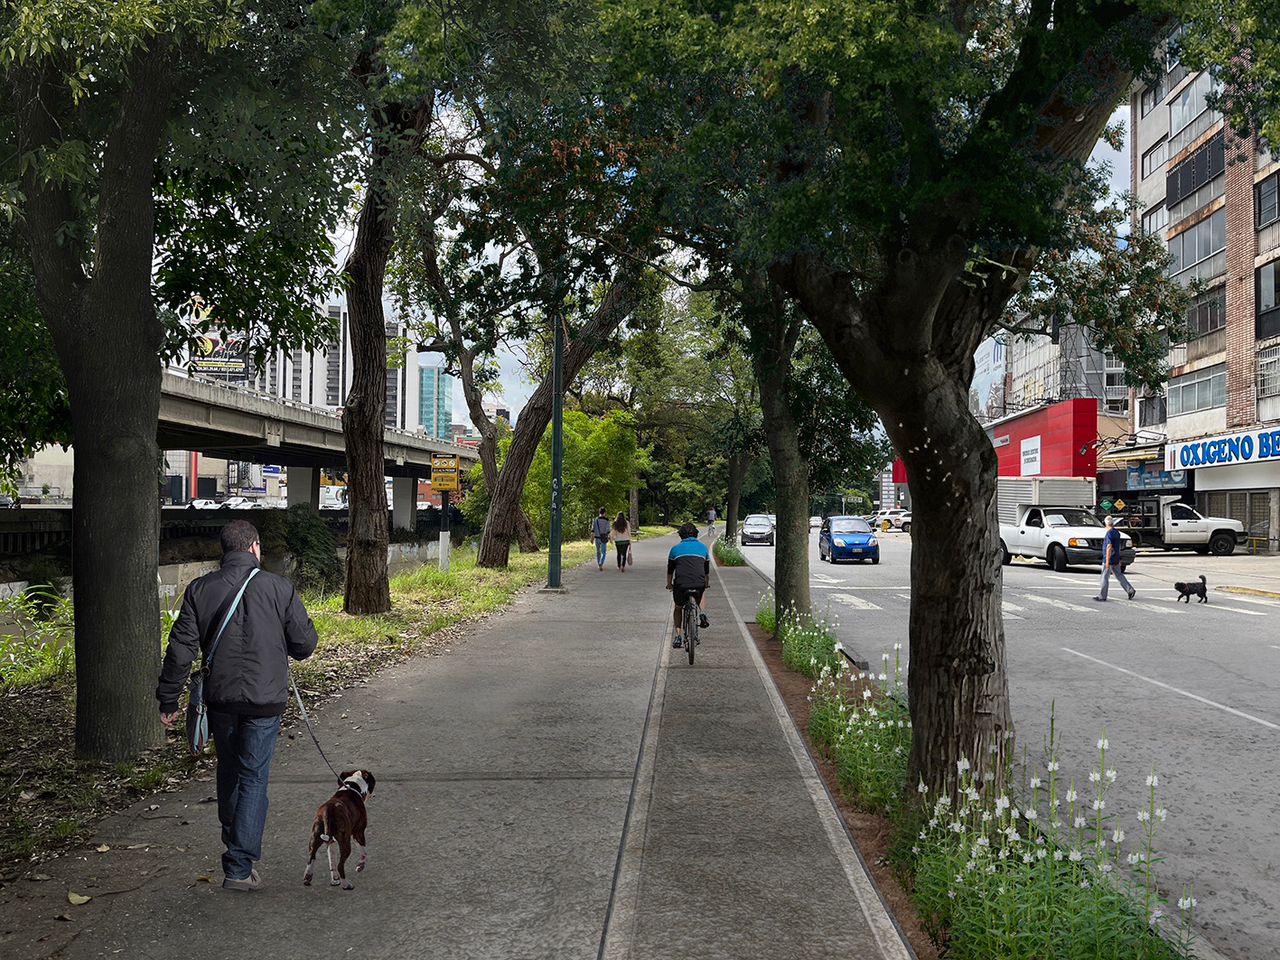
[[557, 452]]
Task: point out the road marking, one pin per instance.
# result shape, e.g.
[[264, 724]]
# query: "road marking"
[[903, 596], [856, 602], [1273, 646], [1236, 598], [1058, 576], [883, 927], [1217, 606], [1186, 693], [823, 578], [1059, 604], [1007, 607], [839, 585], [1151, 606]]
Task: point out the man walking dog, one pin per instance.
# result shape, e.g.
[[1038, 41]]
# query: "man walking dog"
[[246, 685], [1112, 548]]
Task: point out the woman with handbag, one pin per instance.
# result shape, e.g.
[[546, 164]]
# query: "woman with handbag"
[[622, 541]]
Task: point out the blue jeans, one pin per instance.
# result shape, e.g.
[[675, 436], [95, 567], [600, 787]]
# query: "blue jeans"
[[245, 747], [602, 551], [1107, 574]]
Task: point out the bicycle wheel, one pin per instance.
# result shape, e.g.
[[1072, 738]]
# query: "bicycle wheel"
[[690, 626]]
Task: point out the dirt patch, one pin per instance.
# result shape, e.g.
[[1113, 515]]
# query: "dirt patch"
[[872, 833]]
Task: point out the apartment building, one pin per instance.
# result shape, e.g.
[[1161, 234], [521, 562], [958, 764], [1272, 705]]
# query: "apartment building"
[[1214, 197], [436, 402]]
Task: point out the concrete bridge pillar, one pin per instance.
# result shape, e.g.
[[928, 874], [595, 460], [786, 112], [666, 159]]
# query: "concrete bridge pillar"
[[304, 486], [404, 503]]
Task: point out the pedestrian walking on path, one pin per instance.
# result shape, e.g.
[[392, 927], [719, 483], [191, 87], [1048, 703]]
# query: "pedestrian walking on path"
[[1112, 545], [600, 534], [622, 540], [246, 683]]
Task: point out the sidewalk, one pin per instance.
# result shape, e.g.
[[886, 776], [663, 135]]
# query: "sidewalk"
[[508, 773]]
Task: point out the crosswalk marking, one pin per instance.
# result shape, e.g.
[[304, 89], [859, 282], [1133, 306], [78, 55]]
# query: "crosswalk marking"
[[1058, 576], [823, 578], [903, 596], [1236, 598], [1152, 607], [1059, 604], [1218, 606], [856, 602]]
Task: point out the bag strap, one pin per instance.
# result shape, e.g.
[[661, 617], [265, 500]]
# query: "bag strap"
[[207, 662]]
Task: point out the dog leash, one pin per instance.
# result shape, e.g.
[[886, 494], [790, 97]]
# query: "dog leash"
[[307, 720]]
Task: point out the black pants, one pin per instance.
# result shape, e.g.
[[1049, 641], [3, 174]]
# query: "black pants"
[[624, 548]]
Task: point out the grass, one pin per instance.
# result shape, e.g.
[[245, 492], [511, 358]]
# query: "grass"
[[1043, 873], [808, 643], [727, 554], [648, 533], [51, 800]]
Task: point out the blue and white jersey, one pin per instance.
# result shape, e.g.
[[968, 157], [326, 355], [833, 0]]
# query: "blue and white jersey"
[[689, 564]]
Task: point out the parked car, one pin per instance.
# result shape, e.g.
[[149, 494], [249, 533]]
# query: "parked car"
[[847, 538], [892, 517], [203, 504], [815, 523], [904, 522], [757, 528]]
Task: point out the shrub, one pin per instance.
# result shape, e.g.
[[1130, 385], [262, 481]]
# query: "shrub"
[[766, 616], [303, 535], [42, 643], [808, 645]]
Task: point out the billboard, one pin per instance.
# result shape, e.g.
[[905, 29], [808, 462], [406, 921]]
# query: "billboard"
[[986, 392], [220, 357]]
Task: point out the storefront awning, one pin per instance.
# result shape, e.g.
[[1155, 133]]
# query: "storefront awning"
[[1130, 455]]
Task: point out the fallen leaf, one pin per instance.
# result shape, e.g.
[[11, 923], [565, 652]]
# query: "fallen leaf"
[[64, 916], [39, 877], [203, 879], [102, 848], [77, 899], [26, 796]]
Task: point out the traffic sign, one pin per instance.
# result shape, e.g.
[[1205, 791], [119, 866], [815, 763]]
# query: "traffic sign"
[[444, 472]]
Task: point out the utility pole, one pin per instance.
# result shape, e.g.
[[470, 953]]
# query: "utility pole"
[[557, 451], [445, 542]]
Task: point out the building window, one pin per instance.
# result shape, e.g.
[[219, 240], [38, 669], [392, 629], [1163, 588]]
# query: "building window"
[[295, 380], [1152, 411], [1198, 244], [1153, 94], [1266, 201], [1155, 219], [1190, 102], [1197, 180], [1207, 313], [1155, 158], [1269, 372], [1203, 390], [1268, 315]]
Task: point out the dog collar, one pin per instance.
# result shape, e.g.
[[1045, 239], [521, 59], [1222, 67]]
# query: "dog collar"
[[362, 790]]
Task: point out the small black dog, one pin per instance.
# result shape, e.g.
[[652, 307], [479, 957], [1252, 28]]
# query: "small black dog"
[[1188, 590]]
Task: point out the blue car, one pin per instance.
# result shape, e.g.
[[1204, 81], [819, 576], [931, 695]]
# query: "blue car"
[[847, 538]]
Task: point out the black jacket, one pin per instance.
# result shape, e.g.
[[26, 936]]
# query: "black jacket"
[[250, 674]]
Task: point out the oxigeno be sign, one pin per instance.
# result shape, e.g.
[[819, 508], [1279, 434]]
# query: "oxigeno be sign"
[[1252, 447]]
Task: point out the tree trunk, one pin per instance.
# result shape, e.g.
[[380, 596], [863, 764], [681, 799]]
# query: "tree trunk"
[[957, 682], [505, 508], [737, 476], [108, 340], [366, 589], [633, 503], [791, 482]]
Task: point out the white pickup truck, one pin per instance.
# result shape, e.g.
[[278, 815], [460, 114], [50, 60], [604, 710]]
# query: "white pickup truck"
[[1168, 523], [1052, 519]]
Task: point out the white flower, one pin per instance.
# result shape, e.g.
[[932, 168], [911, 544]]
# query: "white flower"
[[915, 851], [1035, 782], [1117, 836], [922, 788], [1026, 858], [1072, 796], [986, 816], [1106, 868], [1102, 744], [1030, 814], [1079, 822], [1002, 804], [1143, 816], [866, 694], [1161, 812], [1111, 776], [1153, 781], [1052, 766], [839, 647], [1094, 776], [1057, 855], [962, 765], [1099, 804], [1133, 859], [897, 646], [957, 826], [1186, 903], [983, 842], [1075, 856], [1156, 916]]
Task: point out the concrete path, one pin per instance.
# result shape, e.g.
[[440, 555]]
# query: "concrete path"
[[557, 786]]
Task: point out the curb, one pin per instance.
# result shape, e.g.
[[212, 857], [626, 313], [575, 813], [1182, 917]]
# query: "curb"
[[1249, 591]]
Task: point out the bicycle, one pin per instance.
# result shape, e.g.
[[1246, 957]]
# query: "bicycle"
[[690, 617]]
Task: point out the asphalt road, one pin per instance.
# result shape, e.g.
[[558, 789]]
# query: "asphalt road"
[[1188, 692]]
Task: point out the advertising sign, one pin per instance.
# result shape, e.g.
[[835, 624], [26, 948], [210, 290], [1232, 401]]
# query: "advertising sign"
[[224, 358], [1255, 446], [444, 472], [1149, 476], [1031, 456], [986, 392]]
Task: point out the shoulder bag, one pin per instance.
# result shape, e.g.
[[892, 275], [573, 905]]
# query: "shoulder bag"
[[197, 712]]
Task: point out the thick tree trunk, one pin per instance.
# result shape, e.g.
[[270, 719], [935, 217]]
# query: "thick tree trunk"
[[366, 589], [505, 511], [738, 464], [108, 340], [958, 684], [791, 482], [633, 505]]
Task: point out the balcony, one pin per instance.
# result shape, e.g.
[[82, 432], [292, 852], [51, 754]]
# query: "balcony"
[[1207, 345]]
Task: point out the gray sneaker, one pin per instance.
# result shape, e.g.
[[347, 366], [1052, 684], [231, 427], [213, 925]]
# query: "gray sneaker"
[[251, 882]]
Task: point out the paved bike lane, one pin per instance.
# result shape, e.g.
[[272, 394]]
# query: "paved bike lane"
[[509, 773]]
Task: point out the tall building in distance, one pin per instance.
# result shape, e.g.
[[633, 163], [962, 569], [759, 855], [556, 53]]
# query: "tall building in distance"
[[435, 397], [498, 410], [1212, 196]]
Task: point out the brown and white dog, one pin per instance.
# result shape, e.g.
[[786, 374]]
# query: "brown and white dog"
[[340, 820]]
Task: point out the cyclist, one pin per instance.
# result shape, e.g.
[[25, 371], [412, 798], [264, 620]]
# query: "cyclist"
[[711, 522], [688, 575]]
